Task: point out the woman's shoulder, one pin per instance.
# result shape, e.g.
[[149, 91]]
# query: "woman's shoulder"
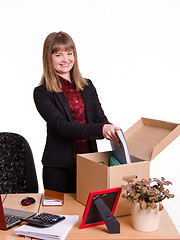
[[41, 90], [90, 86], [89, 83]]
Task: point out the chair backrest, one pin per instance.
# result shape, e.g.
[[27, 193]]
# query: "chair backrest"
[[17, 169]]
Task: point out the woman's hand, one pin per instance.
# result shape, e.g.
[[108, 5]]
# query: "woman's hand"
[[108, 132]]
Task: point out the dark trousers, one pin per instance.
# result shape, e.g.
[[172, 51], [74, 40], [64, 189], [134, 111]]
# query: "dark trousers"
[[60, 179]]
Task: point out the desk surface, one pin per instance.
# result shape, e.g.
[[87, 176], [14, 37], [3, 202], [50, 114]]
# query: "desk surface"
[[72, 207]]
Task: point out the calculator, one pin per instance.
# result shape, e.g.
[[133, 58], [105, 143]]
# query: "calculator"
[[44, 219]]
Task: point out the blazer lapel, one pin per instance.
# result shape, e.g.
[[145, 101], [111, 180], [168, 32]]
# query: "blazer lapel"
[[65, 105], [87, 102]]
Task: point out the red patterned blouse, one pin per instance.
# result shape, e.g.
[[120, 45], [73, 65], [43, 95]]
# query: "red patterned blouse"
[[77, 107]]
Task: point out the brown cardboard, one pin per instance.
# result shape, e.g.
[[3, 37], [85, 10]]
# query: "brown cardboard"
[[148, 137], [145, 139]]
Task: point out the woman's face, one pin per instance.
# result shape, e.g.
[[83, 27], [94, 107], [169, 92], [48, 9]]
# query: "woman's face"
[[63, 62]]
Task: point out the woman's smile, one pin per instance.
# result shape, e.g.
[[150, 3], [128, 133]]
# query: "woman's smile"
[[63, 62]]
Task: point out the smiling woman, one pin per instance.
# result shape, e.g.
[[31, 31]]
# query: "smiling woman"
[[63, 62], [70, 105], [60, 53]]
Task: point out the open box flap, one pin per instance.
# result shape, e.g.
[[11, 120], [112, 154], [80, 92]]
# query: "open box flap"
[[166, 141], [148, 137]]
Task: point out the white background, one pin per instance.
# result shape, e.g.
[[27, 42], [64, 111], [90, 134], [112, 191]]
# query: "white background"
[[130, 49]]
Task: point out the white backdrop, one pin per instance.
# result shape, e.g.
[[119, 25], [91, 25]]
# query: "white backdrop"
[[129, 49]]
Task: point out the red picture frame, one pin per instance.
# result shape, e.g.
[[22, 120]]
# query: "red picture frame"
[[91, 216]]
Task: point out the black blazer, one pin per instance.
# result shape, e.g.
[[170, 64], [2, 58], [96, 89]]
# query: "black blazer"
[[61, 131]]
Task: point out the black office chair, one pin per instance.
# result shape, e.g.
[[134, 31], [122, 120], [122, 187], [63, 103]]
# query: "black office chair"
[[17, 169]]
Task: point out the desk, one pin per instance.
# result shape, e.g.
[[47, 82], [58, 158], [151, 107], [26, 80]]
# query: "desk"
[[72, 207]]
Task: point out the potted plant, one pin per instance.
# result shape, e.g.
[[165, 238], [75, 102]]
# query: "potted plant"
[[146, 196]]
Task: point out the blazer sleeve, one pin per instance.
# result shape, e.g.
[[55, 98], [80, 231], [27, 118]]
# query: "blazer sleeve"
[[98, 113], [58, 122]]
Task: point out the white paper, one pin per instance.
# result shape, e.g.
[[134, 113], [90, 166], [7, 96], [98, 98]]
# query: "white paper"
[[57, 231], [50, 201]]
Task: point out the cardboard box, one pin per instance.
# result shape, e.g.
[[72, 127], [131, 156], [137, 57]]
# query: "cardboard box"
[[145, 139]]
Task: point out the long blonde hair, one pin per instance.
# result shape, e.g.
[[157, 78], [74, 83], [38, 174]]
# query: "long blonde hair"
[[54, 43]]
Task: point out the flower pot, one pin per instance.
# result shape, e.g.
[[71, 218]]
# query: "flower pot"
[[145, 220]]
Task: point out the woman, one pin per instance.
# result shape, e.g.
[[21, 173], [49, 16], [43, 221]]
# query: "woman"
[[70, 106]]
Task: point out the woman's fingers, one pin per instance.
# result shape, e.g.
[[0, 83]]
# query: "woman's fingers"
[[110, 134]]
